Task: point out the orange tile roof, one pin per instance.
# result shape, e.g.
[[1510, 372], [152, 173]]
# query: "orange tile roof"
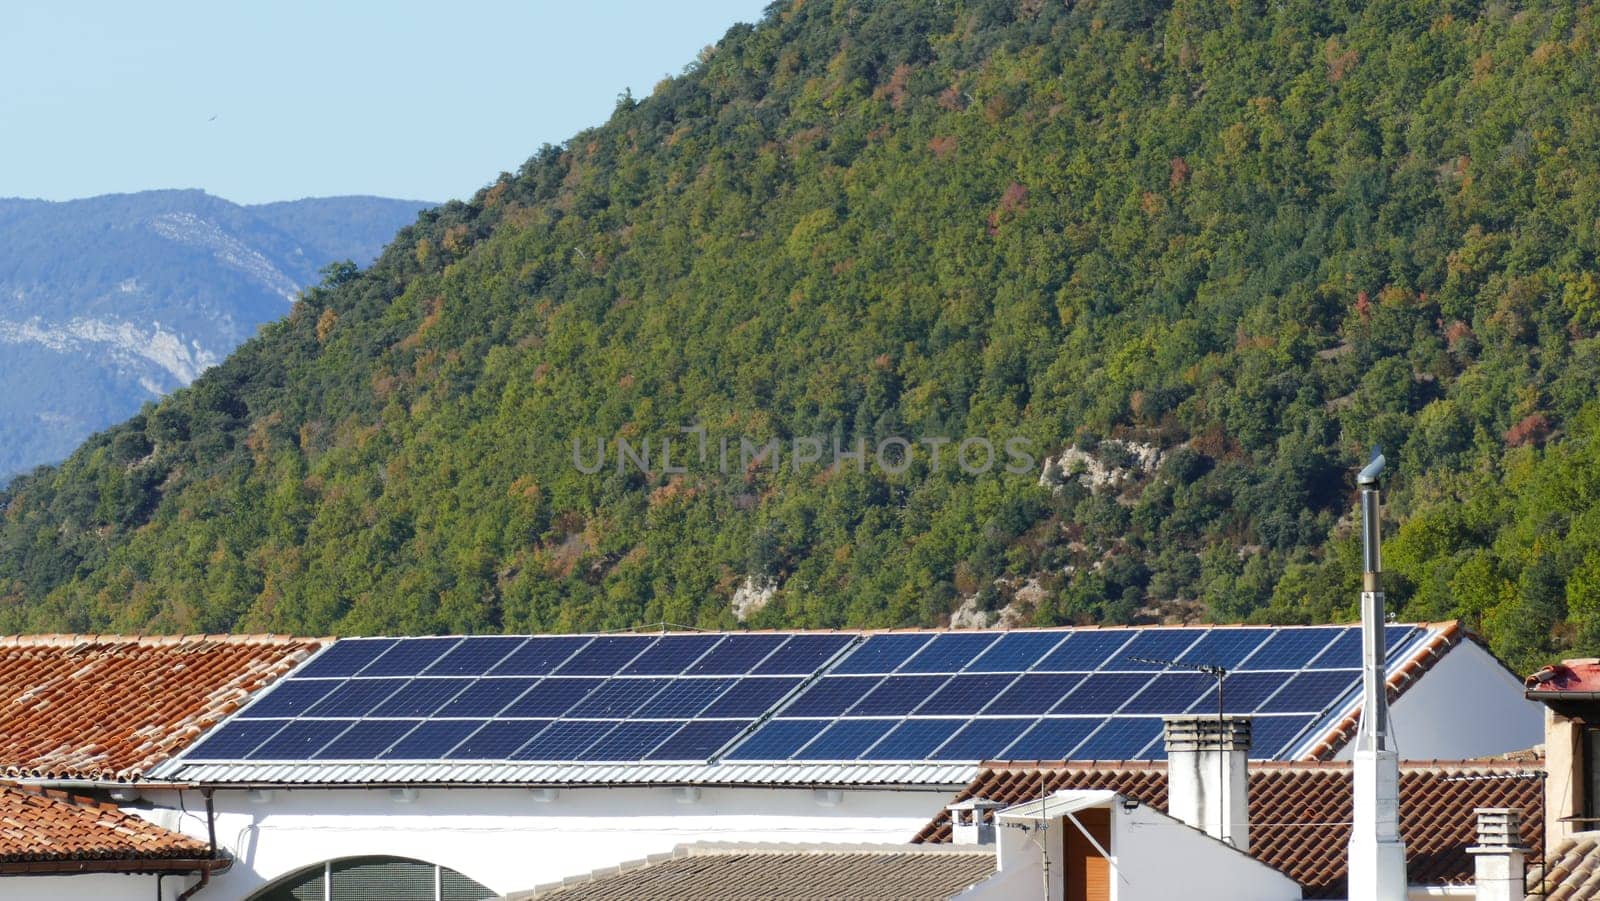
[[110, 708], [1572, 873], [1300, 811], [51, 831]]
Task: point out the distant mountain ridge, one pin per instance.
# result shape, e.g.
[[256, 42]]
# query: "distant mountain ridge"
[[109, 302]]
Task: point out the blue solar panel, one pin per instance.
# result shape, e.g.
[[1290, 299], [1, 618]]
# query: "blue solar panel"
[[566, 740], [486, 697], [498, 740], [299, 740], [366, 740], [630, 741], [898, 695], [1153, 644], [345, 658], [949, 653], [432, 740], [881, 653], [421, 697], [539, 656], [410, 657], [1122, 738], [737, 655], [551, 697], [1083, 652], [966, 695], [605, 656], [831, 695], [914, 739], [289, 698], [698, 740], [1225, 647], [750, 698], [1033, 694], [235, 740], [1291, 648], [1173, 692], [475, 656], [1052, 739], [683, 698], [845, 740], [1312, 691], [671, 655], [616, 699], [1102, 693], [777, 740], [1016, 651], [1243, 692], [1345, 653], [982, 739], [1269, 734], [801, 655], [356, 697]]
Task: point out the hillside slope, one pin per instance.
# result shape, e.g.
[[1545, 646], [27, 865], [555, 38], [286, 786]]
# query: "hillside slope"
[[1212, 252], [111, 302]]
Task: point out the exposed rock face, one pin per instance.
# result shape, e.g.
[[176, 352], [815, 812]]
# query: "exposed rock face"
[[1096, 470], [752, 596]]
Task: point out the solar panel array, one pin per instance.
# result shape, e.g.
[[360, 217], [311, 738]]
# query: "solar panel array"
[[953, 696]]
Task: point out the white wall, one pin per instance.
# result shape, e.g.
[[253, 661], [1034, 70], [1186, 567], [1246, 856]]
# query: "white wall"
[[1467, 705], [507, 840], [1153, 856], [93, 887]]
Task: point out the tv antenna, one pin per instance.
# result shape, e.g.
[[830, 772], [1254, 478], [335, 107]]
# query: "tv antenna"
[[1210, 669]]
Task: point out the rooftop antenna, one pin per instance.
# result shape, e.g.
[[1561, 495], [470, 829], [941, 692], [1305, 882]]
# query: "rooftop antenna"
[[1209, 669], [1377, 852]]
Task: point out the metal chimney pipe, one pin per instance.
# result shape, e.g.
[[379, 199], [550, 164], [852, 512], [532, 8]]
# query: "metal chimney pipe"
[[1377, 852]]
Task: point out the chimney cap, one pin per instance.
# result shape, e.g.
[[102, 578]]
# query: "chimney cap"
[[975, 804], [1499, 830], [1206, 733]]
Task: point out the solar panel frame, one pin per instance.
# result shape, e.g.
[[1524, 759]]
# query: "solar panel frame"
[[831, 696], [1291, 649], [966, 694], [898, 695], [685, 698], [565, 740], [699, 740], [476, 655], [366, 740], [354, 698], [1084, 651], [1172, 692], [1312, 691], [914, 739], [235, 739], [299, 740], [949, 652], [1121, 738], [344, 658], [1102, 693], [801, 655], [606, 655], [1052, 738], [541, 655], [409, 657], [486, 698], [738, 655], [845, 739], [751, 697], [777, 739], [288, 697], [984, 739], [1270, 736], [497, 739], [881, 654], [631, 740], [1153, 644], [1016, 652], [1034, 694], [552, 697], [431, 740], [617, 699], [1226, 647], [671, 655]]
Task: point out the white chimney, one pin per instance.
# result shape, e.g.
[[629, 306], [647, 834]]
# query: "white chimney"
[[972, 821], [1377, 852], [1499, 860], [1208, 781]]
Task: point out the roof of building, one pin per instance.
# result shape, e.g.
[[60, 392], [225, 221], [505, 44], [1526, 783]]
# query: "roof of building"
[[782, 872], [1572, 873], [1567, 678], [45, 831], [111, 708], [1300, 812], [910, 707]]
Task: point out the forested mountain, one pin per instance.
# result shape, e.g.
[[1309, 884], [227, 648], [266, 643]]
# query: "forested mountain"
[[1203, 255], [113, 301]]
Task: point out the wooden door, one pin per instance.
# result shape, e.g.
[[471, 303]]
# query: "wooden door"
[[1088, 873]]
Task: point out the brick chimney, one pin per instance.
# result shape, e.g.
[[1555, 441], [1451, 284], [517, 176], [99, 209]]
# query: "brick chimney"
[[1207, 779], [1499, 859]]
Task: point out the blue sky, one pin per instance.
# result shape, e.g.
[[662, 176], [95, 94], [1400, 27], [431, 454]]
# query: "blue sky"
[[426, 101]]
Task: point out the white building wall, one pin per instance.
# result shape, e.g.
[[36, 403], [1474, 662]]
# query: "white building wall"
[[1153, 856], [94, 887], [1467, 705], [509, 841]]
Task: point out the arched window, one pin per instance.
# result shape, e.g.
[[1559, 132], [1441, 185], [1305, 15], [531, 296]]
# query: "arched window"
[[374, 879]]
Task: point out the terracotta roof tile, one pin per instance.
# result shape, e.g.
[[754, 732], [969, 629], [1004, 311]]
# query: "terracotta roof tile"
[[1573, 871], [37, 825], [754, 872], [1300, 811], [110, 708]]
